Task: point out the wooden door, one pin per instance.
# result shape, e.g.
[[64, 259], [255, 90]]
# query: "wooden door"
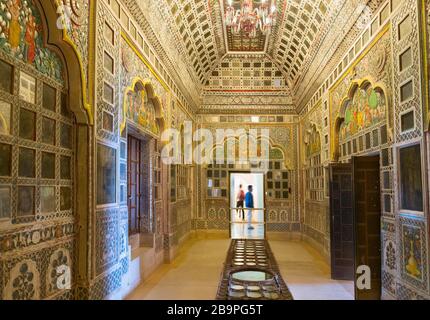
[[342, 223], [368, 222], [134, 175]]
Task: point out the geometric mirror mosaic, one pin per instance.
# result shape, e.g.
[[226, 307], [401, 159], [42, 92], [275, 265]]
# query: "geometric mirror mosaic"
[[47, 199], [5, 160], [5, 202], [6, 71], [25, 201], [27, 89], [48, 131], [27, 160], [5, 117]]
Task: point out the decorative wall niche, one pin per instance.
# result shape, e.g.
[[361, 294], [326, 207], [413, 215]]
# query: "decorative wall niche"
[[5, 202], [5, 160], [26, 201], [27, 124], [48, 131], [106, 175], [5, 118], [49, 100], [6, 80], [48, 165], [27, 88], [27, 163], [66, 136], [65, 198], [47, 200], [65, 168], [411, 186]]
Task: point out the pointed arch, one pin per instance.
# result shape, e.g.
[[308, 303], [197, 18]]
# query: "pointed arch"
[[344, 115], [273, 146], [312, 140], [148, 92], [59, 41]]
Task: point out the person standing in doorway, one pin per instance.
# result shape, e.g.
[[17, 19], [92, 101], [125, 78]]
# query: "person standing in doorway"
[[240, 203], [249, 201]]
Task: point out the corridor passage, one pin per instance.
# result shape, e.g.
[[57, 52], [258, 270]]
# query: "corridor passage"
[[195, 274]]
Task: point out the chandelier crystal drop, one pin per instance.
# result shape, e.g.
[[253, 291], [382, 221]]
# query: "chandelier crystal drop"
[[248, 20]]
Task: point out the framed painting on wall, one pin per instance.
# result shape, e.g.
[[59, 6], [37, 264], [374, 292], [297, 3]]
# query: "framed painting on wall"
[[106, 175], [411, 186]]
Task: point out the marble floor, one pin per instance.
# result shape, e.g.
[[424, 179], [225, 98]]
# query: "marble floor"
[[240, 228], [195, 274], [242, 231], [307, 274]]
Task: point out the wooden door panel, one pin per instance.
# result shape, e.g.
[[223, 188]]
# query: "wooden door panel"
[[134, 182], [368, 222], [341, 212]]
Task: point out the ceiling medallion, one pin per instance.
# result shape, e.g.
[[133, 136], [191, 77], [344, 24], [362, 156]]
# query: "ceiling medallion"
[[248, 20]]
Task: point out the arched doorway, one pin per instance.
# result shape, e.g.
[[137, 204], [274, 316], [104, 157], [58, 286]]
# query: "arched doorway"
[[143, 124], [355, 186]]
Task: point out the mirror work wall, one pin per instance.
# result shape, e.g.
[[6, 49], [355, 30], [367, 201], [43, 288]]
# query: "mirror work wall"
[[375, 103], [38, 218], [78, 96]]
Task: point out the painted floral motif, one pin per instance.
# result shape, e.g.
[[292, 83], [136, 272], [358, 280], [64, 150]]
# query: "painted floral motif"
[[23, 287], [366, 109], [390, 255], [412, 252], [140, 109], [21, 36]]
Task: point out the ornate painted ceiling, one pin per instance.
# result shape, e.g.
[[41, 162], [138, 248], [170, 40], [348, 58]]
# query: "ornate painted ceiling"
[[199, 42], [202, 36], [241, 42]]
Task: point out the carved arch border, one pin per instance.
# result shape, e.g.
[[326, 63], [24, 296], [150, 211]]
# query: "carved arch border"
[[272, 143], [148, 88], [309, 127], [60, 42], [340, 117]]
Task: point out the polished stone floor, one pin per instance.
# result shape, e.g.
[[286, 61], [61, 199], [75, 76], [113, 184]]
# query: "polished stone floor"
[[240, 228], [307, 274], [195, 274], [242, 231]]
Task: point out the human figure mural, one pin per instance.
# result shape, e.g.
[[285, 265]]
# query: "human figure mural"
[[21, 36], [314, 144], [14, 24], [140, 109], [366, 109]]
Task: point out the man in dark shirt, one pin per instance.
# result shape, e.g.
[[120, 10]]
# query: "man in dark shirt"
[[249, 202]]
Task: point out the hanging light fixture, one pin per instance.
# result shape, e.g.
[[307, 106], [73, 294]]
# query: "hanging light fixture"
[[248, 20]]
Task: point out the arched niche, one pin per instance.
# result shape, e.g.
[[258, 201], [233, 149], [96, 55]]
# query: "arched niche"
[[63, 129], [276, 152], [365, 106], [312, 141], [57, 40], [143, 107], [80, 102]]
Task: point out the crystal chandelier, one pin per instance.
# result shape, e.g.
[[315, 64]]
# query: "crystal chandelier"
[[248, 20]]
